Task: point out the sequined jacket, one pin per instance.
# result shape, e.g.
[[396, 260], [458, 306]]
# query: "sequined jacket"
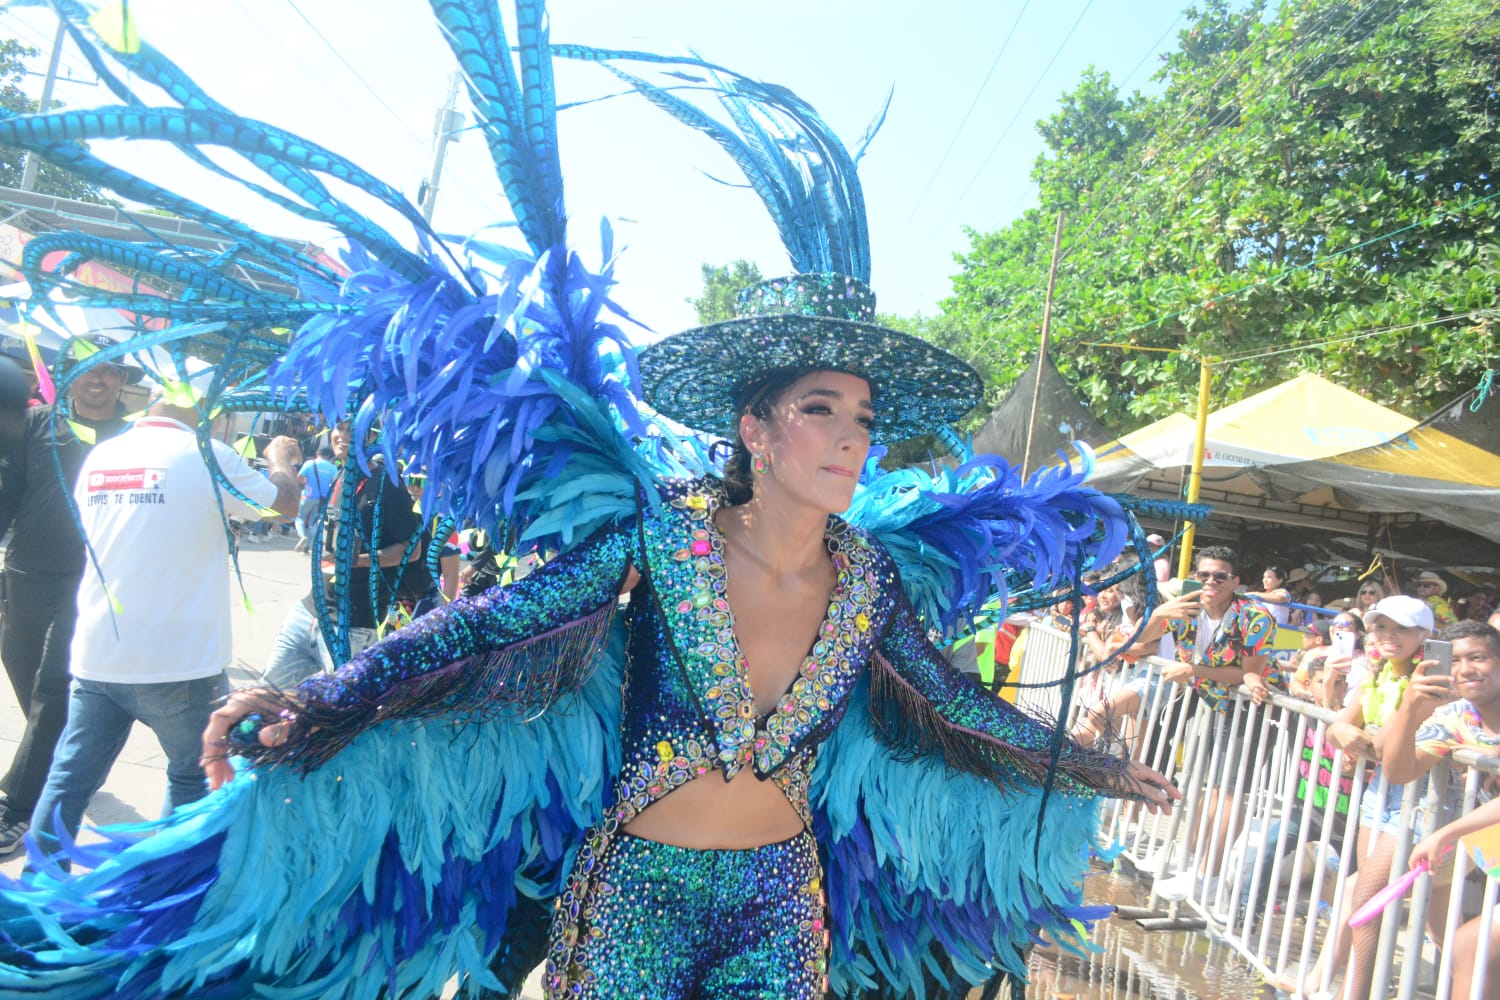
[[688, 706]]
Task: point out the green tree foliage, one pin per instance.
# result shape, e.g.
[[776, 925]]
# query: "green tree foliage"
[[721, 284], [14, 100], [1301, 179]]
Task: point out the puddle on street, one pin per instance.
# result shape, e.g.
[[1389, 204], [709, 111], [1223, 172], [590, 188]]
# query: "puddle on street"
[[1132, 962]]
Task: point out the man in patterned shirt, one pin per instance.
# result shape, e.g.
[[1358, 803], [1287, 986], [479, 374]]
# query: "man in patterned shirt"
[[1221, 640]]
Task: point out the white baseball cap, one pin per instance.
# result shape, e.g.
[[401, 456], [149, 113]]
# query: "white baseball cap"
[[1407, 612]]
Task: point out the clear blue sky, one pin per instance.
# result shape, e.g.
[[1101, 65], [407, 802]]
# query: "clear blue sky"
[[627, 161]]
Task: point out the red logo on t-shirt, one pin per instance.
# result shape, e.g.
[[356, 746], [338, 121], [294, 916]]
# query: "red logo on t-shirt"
[[126, 479]]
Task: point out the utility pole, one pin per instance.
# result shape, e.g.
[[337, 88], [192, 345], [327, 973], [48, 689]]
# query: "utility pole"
[[444, 128], [1195, 469], [1041, 354], [33, 164]]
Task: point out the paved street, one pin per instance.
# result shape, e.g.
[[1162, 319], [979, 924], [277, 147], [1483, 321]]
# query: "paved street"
[[275, 578]]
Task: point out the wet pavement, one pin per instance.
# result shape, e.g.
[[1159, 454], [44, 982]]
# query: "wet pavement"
[[1134, 963]]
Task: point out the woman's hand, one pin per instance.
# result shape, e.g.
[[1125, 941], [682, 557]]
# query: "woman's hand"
[[1351, 739], [1433, 849], [236, 712], [1153, 787], [1338, 664]]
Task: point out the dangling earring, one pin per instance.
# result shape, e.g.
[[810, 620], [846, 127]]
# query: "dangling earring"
[[759, 463]]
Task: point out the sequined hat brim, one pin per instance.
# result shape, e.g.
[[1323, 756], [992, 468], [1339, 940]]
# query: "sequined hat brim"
[[695, 377]]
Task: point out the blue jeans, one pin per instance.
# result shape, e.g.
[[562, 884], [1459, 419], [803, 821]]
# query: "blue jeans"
[[307, 512], [36, 632], [297, 652], [100, 715]]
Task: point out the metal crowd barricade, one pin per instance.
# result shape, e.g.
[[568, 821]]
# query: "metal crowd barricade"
[[1297, 854]]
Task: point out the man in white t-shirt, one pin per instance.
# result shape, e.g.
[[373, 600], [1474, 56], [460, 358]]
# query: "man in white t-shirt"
[[153, 635]]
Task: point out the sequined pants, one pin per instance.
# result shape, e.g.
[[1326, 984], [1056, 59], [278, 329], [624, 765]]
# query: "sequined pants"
[[674, 923]]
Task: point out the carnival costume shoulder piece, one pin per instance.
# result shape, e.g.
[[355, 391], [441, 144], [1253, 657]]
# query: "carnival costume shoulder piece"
[[441, 798]]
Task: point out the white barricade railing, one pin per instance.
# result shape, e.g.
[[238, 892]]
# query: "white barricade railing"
[[1268, 849]]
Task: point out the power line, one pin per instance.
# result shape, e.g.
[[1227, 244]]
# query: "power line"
[[1155, 49], [1005, 132], [1475, 314], [35, 39], [422, 143], [1189, 114], [1279, 276], [1010, 212], [354, 72], [959, 131], [1281, 74]]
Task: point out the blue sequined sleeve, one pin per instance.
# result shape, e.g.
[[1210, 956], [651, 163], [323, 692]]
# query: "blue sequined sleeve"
[[515, 647], [921, 704]]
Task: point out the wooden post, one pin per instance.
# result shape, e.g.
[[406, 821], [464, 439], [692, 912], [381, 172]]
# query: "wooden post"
[[1041, 354], [1195, 470], [33, 162]]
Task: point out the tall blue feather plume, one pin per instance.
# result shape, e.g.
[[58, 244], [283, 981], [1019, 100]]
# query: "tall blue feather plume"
[[790, 157]]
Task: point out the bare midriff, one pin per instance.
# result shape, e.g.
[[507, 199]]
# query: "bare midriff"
[[709, 813]]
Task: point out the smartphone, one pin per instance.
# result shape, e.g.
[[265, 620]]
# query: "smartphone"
[[1343, 644], [1191, 587], [1441, 651]]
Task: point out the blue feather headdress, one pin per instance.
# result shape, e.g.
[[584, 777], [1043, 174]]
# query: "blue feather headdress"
[[495, 370], [823, 316]]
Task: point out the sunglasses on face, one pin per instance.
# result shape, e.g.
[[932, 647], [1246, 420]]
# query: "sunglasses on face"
[[1217, 576], [1424, 584]]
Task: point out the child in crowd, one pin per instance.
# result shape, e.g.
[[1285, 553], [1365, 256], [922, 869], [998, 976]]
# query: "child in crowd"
[[1399, 625], [1307, 665], [1336, 688], [1101, 616]]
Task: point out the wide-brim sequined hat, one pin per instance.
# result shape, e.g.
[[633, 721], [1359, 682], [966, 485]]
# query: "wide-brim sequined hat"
[[806, 323]]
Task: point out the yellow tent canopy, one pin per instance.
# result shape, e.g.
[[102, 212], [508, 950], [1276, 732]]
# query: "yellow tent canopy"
[[1311, 453], [1304, 419]]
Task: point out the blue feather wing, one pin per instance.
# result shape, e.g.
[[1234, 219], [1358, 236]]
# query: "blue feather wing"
[[395, 867], [976, 535], [930, 874]]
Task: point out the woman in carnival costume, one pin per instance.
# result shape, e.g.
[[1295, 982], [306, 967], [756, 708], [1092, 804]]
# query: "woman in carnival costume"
[[707, 749]]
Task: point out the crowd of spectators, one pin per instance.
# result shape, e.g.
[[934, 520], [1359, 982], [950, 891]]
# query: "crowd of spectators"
[[1360, 656]]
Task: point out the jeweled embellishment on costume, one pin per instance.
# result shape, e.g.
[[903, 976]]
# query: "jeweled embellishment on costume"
[[845, 639], [706, 628], [697, 591]]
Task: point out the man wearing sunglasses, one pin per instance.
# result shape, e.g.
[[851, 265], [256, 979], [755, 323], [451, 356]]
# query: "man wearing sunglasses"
[[1222, 640], [1432, 590]]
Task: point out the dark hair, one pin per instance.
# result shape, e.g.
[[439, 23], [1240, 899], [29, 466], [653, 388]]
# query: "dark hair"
[[759, 399], [1474, 630], [1218, 553], [1134, 587], [324, 451], [1276, 571]]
